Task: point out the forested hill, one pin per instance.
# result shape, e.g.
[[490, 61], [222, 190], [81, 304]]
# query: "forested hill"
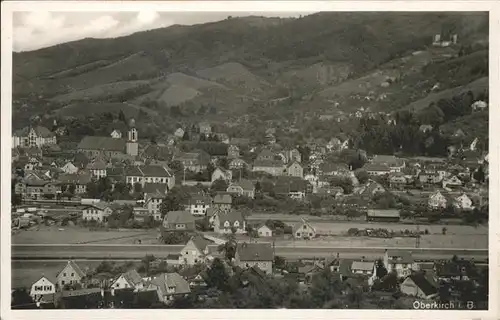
[[270, 69]]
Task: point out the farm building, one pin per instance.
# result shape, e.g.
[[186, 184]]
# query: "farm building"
[[390, 215]]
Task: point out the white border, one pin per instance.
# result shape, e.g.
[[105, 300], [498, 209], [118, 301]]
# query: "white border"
[[258, 6]]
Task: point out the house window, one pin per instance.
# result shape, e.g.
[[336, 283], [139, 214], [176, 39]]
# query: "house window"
[[298, 234], [64, 274], [72, 274], [62, 282]]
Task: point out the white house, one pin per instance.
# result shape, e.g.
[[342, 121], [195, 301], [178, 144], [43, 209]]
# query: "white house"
[[195, 251], [294, 169], [150, 174], [198, 205], [222, 174], [69, 168], [304, 230], [400, 262], [97, 169], [225, 222], [117, 134], [463, 202], [264, 231], [42, 286], [179, 133], [99, 212], [33, 137]]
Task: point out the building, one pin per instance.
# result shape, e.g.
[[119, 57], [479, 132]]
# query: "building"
[[292, 155], [150, 174], [437, 200], [222, 202], [153, 200], [37, 136], [227, 222], [375, 169], [222, 174], [79, 180], [99, 212], [117, 134], [294, 169], [205, 128], [266, 155], [371, 189], [42, 286], [272, 167], [389, 215], [463, 202], [110, 147], [169, 285], [195, 251], [242, 188], [394, 163], [36, 189], [196, 161], [199, 204], [233, 152], [70, 274], [333, 169], [304, 230], [129, 280], [452, 182], [179, 133], [397, 180], [264, 231], [428, 177], [419, 286], [179, 221], [259, 255], [400, 262], [367, 268], [97, 169], [236, 164]]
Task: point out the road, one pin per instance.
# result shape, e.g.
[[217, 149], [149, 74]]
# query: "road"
[[122, 252]]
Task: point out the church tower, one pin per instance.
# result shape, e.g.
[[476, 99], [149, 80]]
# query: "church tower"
[[132, 144]]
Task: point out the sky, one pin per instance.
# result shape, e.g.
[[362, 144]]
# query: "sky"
[[40, 29]]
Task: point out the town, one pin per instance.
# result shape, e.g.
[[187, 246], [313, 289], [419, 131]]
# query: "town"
[[307, 176]]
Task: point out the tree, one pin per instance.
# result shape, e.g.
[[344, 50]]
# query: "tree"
[[229, 247], [72, 189], [381, 271], [443, 230], [362, 176], [279, 262], [186, 137], [219, 185], [479, 175], [217, 276], [137, 187], [147, 262], [21, 297]]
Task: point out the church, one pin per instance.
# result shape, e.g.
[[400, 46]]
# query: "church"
[[113, 146]]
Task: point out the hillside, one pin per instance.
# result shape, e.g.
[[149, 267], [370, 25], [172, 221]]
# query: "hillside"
[[382, 61]]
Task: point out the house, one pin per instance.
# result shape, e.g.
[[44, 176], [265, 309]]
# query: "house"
[[419, 286], [222, 137], [425, 128], [79, 180], [211, 214], [129, 280], [99, 211], [375, 169], [334, 145], [43, 286], [437, 200], [266, 155], [449, 271], [169, 285], [389, 215], [195, 251], [117, 134], [371, 189], [69, 168], [293, 187], [292, 155], [219, 173], [235, 164], [110, 147], [199, 204], [195, 161], [69, 275], [294, 169], [394, 163], [156, 153], [226, 222], [154, 199], [333, 169], [233, 152], [479, 105], [463, 202], [400, 262], [249, 255], [179, 221], [179, 133], [205, 128], [303, 230], [36, 188], [222, 202], [242, 188], [272, 167], [264, 231], [150, 174], [397, 180], [363, 267], [97, 169], [452, 182], [329, 191], [240, 142], [33, 137], [427, 177]]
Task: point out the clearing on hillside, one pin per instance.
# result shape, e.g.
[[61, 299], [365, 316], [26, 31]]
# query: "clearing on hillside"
[[102, 91], [176, 95]]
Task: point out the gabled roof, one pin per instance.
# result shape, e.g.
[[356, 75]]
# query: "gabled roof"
[[265, 153], [200, 242], [132, 277], [244, 184], [75, 267], [43, 132], [102, 143], [388, 213], [76, 178], [96, 165], [231, 216], [154, 188], [269, 163], [423, 283], [299, 225], [400, 256], [362, 265], [149, 171], [179, 217], [255, 251], [200, 199], [376, 167]]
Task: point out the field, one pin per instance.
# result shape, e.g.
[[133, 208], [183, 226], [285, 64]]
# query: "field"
[[75, 235]]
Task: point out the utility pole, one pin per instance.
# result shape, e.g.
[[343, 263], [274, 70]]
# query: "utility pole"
[[417, 239]]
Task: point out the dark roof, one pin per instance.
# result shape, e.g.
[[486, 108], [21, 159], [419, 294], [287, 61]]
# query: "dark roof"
[[240, 141], [96, 165], [155, 188], [330, 167], [157, 152], [75, 178], [230, 216], [269, 163], [200, 242], [75, 267], [171, 280], [376, 167], [255, 252], [179, 217], [244, 184], [149, 171], [132, 277], [80, 292], [200, 199], [423, 283], [399, 256], [102, 143]]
